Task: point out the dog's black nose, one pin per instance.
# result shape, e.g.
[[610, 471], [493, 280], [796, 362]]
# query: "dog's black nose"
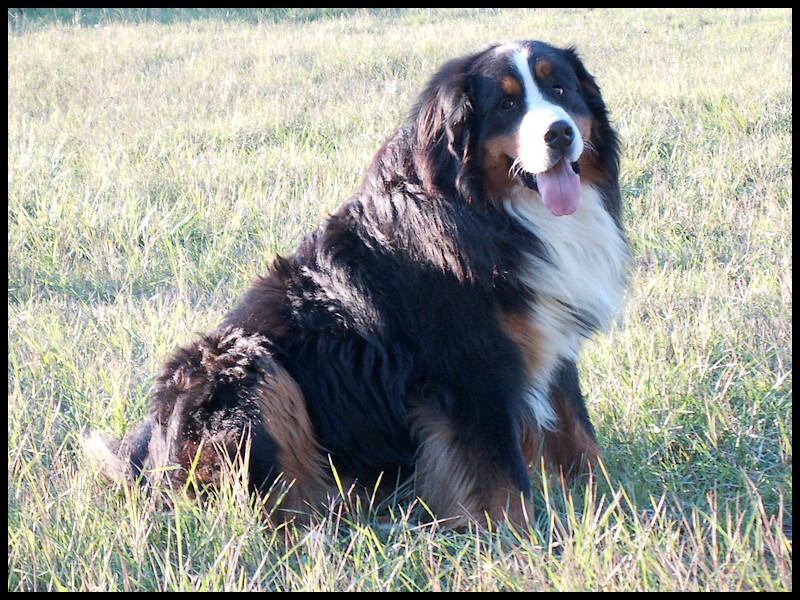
[[559, 136]]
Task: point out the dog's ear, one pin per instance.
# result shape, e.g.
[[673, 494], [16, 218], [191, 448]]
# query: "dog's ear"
[[443, 121], [444, 106], [604, 140]]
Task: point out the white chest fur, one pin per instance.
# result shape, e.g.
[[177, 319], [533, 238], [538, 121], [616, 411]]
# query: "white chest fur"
[[578, 286]]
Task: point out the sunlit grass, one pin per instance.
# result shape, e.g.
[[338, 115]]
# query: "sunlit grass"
[[155, 167]]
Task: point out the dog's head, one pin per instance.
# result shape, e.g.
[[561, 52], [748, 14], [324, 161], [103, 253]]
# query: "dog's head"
[[522, 114]]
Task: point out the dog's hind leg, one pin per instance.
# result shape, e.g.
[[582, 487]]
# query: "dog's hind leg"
[[221, 407]]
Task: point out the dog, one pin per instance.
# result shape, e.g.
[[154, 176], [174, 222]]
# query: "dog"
[[429, 330]]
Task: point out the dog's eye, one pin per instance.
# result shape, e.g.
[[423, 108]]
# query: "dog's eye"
[[558, 89], [507, 104]]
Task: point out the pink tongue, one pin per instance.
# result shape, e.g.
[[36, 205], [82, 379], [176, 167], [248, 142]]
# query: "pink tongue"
[[560, 188]]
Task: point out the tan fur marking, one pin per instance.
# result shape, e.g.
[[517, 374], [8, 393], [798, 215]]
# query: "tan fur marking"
[[456, 480], [569, 452], [495, 163], [508, 505], [284, 416], [511, 86], [210, 461], [519, 327], [591, 172], [444, 479], [543, 67], [584, 125]]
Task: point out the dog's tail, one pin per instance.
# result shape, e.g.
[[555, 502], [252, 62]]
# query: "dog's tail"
[[122, 460]]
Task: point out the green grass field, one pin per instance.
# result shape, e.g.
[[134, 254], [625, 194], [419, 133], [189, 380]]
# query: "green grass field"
[[159, 158]]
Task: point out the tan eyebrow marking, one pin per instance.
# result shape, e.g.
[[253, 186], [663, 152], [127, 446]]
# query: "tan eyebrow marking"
[[543, 67], [511, 86]]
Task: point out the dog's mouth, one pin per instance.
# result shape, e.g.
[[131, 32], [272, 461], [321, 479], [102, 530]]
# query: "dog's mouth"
[[558, 186]]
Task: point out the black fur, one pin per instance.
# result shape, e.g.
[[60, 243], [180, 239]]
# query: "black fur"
[[387, 319]]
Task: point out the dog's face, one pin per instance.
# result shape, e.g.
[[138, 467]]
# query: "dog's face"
[[525, 115], [533, 124]]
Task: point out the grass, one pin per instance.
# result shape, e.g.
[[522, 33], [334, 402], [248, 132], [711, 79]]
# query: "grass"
[[157, 160]]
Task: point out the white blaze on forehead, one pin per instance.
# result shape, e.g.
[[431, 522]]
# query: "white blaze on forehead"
[[534, 154]]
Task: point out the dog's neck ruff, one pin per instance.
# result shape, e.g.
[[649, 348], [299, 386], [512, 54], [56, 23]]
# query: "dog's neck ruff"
[[577, 287]]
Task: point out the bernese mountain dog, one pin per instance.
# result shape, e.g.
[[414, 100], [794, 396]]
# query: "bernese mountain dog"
[[428, 331]]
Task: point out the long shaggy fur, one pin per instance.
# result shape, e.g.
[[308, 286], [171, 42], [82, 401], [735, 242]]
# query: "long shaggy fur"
[[429, 329]]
